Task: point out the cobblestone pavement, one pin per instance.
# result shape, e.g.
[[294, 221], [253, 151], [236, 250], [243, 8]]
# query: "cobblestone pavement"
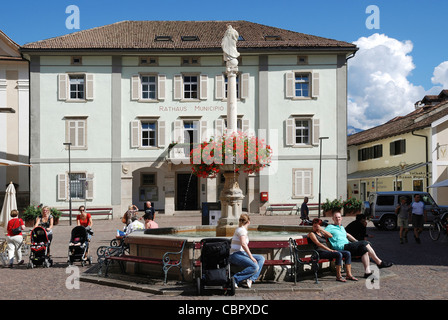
[[420, 271]]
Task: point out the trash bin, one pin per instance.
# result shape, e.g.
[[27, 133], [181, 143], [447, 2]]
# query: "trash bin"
[[211, 212]]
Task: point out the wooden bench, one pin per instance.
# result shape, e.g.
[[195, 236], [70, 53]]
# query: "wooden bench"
[[167, 262], [273, 262], [291, 207], [261, 245]]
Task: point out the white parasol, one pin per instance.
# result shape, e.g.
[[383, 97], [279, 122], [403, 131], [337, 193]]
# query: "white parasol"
[[9, 203]]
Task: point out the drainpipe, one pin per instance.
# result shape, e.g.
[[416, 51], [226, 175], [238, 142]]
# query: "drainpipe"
[[426, 153]]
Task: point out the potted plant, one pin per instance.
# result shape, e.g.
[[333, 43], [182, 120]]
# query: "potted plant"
[[352, 206], [56, 215], [329, 207], [30, 214]]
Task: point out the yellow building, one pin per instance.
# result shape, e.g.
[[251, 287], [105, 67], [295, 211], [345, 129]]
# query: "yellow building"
[[398, 154]]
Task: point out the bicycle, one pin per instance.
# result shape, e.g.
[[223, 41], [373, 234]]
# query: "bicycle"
[[439, 225]]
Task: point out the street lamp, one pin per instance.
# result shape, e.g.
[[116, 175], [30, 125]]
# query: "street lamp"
[[69, 144], [320, 172]]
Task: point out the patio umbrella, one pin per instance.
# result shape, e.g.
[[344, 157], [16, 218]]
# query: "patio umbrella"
[[9, 203], [443, 183], [4, 162]]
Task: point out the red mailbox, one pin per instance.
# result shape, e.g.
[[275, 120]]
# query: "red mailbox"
[[264, 196]]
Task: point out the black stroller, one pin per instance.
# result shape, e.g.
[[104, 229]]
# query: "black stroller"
[[79, 246], [39, 248], [215, 266]]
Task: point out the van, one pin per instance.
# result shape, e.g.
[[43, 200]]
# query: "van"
[[380, 207]]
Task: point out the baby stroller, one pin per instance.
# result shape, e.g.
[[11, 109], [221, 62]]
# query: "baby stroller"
[[39, 248], [79, 246], [215, 266]]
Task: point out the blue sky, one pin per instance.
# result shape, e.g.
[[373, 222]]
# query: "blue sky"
[[407, 48]]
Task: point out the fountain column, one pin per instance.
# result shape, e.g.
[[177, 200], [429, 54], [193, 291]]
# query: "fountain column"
[[231, 196]]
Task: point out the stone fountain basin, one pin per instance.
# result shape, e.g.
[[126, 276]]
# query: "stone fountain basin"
[[143, 244]]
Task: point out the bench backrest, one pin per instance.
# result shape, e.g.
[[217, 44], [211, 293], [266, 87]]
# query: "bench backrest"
[[268, 244]]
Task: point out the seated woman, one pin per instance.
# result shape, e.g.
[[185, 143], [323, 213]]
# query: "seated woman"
[[241, 256], [319, 237]]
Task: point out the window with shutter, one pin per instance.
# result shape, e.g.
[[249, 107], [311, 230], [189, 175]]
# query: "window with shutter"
[[302, 131], [302, 183], [302, 84], [76, 132]]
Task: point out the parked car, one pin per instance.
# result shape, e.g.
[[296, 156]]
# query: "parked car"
[[380, 207]]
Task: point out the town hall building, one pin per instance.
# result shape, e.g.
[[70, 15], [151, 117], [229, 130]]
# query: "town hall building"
[[117, 98]]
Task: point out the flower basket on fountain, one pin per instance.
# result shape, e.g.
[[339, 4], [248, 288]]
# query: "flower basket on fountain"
[[237, 152]]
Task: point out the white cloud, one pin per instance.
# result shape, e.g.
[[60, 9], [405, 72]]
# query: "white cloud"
[[441, 74], [378, 88]]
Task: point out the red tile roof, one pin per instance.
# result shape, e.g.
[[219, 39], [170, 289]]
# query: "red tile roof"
[[141, 35], [420, 118]]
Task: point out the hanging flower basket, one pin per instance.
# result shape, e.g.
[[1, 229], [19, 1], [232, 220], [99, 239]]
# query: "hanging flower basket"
[[238, 152]]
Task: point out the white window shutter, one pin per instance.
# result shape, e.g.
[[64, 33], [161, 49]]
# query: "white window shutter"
[[245, 85], [161, 79], [62, 187], [289, 92], [219, 127], [315, 85], [89, 186], [307, 183], [161, 134], [72, 133], [178, 131], [246, 125], [316, 131], [89, 86], [203, 130], [203, 87], [135, 134], [219, 87], [63, 86], [81, 134], [290, 132], [135, 87], [178, 92], [298, 175]]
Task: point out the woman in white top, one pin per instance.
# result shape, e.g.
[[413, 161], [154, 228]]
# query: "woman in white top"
[[241, 256]]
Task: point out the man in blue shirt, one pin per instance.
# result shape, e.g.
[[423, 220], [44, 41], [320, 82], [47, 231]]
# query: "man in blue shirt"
[[341, 240]]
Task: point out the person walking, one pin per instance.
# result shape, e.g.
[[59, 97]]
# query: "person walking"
[[15, 238], [403, 211], [418, 216]]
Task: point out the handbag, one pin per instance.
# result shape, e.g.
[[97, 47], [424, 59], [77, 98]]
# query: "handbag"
[[125, 218], [16, 231]]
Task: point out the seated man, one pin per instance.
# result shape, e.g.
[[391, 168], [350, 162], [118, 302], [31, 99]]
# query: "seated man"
[[341, 240], [358, 228], [134, 225]]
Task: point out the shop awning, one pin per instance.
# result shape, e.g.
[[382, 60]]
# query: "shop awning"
[[443, 183], [385, 172]]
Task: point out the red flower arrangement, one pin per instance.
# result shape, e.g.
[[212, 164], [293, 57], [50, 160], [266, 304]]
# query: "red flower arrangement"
[[238, 151]]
